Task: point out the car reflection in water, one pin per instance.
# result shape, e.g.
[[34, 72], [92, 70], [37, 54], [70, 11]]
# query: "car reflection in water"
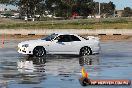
[[89, 60], [32, 70], [31, 65], [91, 64]]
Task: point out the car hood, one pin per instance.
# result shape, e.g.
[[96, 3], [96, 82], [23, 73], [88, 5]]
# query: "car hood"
[[35, 42]]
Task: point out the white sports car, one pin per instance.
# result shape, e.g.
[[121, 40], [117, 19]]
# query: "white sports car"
[[58, 43]]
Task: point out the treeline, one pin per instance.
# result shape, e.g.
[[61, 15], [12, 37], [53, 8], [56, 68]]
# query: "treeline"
[[127, 12], [65, 8]]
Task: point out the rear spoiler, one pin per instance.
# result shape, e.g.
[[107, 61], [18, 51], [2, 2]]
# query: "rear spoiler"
[[93, 37]]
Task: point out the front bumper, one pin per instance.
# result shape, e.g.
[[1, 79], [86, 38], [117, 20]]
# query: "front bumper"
[[24, 50], [96, 49]]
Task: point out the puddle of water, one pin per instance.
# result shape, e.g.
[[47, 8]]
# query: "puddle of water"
[[56, 71]]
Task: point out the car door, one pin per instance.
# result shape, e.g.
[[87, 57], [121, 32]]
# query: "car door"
[[76, 43], [61, 45]]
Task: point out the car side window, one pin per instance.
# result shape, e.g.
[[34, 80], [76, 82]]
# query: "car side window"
[[74, 38], [63, 38]]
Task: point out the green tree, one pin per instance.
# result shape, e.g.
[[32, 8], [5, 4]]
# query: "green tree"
[[106, 8], [31, 7], [110, 8], [7, 2], [65, 8], [59, 7], [84, 7], [127, 12]]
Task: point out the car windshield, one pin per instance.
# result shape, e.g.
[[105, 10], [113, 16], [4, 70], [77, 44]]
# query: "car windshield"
[[50, 37]]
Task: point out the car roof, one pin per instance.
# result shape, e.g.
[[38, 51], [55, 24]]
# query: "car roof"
[[61, 33], [70, 34]]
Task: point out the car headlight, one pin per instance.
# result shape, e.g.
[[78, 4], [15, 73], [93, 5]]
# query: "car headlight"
[[25, 45]]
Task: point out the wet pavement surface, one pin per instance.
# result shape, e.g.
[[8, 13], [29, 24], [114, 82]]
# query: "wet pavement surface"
[[64, 71]]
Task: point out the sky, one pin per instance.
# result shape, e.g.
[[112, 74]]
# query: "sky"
[[9, 6], [120, 4]]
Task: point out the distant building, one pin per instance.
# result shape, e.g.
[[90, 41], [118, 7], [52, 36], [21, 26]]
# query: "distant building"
[[118, 13]]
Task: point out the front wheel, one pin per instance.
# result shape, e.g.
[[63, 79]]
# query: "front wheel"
[[39, 51], [85, 51]]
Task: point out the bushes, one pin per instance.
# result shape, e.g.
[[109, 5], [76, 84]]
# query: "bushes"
[[68, 24]]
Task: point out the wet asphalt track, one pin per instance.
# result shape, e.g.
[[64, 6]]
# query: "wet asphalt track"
[[55, 71]]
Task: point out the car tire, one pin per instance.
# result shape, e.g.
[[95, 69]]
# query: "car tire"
[[39, 51], [85, 51]]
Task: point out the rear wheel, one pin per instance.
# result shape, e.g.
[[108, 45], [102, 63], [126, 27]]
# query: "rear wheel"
[[39, 51], [85, 51]]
